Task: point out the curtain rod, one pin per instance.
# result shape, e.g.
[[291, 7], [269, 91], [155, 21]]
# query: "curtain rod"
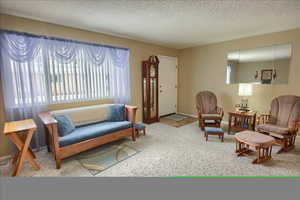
[[58, 39]]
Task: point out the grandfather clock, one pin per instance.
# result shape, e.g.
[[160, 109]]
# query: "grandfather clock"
[[150, 89]]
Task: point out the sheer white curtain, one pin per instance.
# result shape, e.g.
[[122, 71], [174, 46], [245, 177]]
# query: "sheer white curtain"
[[23, 80], [38, 71]]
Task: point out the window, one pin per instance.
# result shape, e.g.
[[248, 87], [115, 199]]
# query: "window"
[[40, 70], [228, 73]]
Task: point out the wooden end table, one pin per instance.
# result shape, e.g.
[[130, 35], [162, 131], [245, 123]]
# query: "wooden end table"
[[240, 121], [20, 133]]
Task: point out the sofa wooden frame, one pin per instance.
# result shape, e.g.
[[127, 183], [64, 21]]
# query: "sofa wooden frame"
[[59, 153]]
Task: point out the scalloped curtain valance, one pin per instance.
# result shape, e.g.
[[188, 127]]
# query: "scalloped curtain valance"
[[22, 47]]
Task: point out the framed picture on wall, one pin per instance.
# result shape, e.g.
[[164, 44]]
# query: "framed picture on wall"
[[266, 76]]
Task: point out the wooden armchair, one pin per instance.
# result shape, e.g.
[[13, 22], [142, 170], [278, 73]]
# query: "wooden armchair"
[[283, 121], [209, 114]]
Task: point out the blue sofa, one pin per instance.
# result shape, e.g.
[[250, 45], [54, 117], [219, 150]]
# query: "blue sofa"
[[71, 131]]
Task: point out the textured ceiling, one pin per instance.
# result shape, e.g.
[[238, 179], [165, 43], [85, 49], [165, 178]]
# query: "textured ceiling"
[[275, 52], [172, 23]]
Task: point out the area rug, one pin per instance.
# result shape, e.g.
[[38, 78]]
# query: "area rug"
[[176, 117], [177, 120], [104, 157]]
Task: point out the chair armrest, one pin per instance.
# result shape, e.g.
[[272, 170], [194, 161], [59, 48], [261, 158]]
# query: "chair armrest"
[[263, 119], [199, 111], [130, 113], [294, 126], [220, 111]]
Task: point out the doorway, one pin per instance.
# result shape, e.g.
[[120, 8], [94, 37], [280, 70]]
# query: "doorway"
[[167, 85]]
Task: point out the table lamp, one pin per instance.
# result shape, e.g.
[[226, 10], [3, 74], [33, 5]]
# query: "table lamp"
[[245, 90]]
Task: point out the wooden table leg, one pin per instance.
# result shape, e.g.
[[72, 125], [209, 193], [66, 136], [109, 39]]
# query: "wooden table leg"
[[23, 138], [23, 151], [263, 154], [17, 155], [229, 125]]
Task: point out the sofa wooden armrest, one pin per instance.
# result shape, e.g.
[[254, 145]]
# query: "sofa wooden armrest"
[[130, 113], [50, 126], [46, 118]]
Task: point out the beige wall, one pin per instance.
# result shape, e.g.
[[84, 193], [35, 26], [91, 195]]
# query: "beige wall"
[[138, 51], [204, 68]]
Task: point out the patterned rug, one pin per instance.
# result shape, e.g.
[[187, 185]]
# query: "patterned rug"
[[176, 117], [104, 157], [177, 120]]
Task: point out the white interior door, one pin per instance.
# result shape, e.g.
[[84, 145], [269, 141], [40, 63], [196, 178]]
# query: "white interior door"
[[167, 78]]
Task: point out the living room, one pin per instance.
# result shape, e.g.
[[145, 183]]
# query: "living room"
[[190, 48]]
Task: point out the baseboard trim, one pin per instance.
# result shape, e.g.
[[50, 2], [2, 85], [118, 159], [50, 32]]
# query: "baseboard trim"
[[4, 158], [167, 115], [190, 115]]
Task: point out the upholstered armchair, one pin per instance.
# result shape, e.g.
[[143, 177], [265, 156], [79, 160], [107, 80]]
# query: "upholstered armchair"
[[209, 114], [283, 121]]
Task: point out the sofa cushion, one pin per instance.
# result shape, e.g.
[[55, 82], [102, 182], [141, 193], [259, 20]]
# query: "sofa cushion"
[[272, 128], [90, 131], [86, 114], [64, 125], [116, 113]]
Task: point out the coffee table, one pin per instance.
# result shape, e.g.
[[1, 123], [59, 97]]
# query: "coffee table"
[[261, 143]]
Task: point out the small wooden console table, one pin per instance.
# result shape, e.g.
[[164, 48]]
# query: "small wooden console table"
[[240, 121], [20, 133]]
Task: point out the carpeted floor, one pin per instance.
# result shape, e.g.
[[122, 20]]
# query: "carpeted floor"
[[170, 151]]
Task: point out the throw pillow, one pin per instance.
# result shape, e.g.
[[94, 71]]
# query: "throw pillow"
[[64, 125], [116, 113]]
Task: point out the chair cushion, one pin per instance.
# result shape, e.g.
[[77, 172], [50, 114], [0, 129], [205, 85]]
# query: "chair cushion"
[[140, 126], [64, 125], [209, 121], [271, 128], [254, 138], [116, 113], [90, 131], [211, 116], [213, 130]]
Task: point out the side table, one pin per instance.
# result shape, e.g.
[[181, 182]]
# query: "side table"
[[20, 133], [240, 121]]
